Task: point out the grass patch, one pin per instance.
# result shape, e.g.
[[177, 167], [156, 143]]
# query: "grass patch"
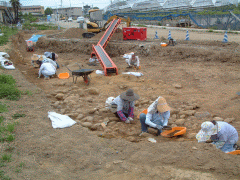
[[141, 25], [7, 32], [2, 176], [6, 157], [17, 115], [210, 30], [8, 88], [30, 26], [27, 92], [6, 131], [3, 108]]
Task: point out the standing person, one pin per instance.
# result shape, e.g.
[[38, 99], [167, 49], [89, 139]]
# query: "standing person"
[[52, 56], [46, 69], [132, 60], [124, 105], [156, 117], [222, 134]]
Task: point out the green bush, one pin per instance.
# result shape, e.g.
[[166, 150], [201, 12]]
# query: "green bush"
[[3, 108], [8, 88], [7, 32]]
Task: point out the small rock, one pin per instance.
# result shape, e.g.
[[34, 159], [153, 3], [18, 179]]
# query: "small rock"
[[73, 115], [189, 107], [182, 116], [177, 86], [180, 122], [59, 96], [88, 119], [191, 135], [229, 120], [103, 110], [113, 119], [173, 125], [117, 162], [56, 104], [91, 111], [132, 139], [194, 148], [174, 111], [218, 119], [87, 124], [94, 127], [202, 114], [93, 91], [80, 116], [62, 111], [174, 116]]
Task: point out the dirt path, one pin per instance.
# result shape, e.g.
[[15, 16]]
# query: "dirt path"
[[209, 82]]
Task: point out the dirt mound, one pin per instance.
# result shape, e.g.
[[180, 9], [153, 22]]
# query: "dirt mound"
[[116, 36], [73, 33]]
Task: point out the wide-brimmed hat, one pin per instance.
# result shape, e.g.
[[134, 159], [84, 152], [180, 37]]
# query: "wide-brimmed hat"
[[129, 95], [162, 105], [41, 58], [207, 130], [34, 57]]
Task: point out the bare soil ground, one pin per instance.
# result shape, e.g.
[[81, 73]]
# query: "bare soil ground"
[[198, 78]]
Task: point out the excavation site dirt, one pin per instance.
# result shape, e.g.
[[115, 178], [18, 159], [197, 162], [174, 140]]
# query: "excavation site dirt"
[[198, 78]]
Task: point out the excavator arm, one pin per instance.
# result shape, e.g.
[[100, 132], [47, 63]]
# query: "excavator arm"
[[127, 20]]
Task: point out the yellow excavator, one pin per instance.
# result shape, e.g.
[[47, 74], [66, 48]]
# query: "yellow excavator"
[[93, 26]]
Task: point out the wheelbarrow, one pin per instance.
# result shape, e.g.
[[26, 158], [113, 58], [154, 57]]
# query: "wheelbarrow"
[[81, 72]]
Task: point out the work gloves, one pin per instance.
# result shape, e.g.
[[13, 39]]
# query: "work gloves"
[[159, 127], [129, 120]]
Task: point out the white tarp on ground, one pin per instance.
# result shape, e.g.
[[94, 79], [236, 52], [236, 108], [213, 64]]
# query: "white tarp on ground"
[[59, 120], [138, 74]]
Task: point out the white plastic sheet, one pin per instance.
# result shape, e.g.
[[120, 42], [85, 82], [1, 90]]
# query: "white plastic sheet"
[[134, 73], [59, 120]]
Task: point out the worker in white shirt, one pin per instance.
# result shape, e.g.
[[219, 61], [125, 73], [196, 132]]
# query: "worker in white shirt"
[[47, 69], [132, 60]]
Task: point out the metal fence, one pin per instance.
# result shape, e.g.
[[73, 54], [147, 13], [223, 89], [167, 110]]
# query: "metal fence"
[[227, 21]]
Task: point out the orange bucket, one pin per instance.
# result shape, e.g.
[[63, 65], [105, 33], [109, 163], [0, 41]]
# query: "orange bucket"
[[170, 133], [144, 111], [163, 45], [63, 75], [234, 152]]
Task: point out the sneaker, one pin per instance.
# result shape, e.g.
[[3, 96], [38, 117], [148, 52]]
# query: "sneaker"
[[143, 134]]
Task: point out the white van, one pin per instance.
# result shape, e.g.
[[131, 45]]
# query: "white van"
[[80, 18]]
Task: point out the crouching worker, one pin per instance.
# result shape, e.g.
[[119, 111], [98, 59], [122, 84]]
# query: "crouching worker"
[[47, 70], [220, 133], [132, 60], [52, 56], [156, 117], [124, 105]]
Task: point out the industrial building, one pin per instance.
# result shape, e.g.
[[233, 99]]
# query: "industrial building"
[[73, 12]]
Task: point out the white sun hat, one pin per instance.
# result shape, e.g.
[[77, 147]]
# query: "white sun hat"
[[207, 130]]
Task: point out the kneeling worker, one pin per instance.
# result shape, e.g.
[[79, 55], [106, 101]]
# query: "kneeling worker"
[[133, 60], [156, 117], [125, 105]]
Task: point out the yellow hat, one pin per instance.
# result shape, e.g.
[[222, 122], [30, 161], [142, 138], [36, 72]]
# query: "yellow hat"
[[34, 57], [162, 105]]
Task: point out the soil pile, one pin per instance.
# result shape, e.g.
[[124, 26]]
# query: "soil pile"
[[116, 36], [72, 33]]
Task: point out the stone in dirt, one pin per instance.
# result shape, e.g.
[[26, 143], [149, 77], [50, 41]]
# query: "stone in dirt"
[[87, 124], [218, 119], [229, 120], [59, 96], [180, 122]]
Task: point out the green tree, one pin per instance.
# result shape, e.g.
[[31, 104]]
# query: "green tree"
[[48, 11], [16, 6], [95, 7]]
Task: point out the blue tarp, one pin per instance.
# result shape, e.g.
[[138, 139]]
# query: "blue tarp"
[[34, 37]]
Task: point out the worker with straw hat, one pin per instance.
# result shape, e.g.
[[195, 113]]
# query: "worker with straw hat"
[[220, 133], [157, 116], [124, 104]]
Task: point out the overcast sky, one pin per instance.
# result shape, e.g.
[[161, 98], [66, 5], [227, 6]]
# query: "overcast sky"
[[66, 3]]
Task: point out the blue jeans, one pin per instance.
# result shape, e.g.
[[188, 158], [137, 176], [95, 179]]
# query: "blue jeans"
[[144, 126]]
